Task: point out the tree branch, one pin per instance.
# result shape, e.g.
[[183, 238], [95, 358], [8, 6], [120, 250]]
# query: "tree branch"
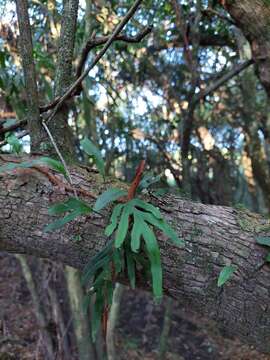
[[77, 83], [94, 42], [215, 236], [90, 45], [205, 40], [233, 72]]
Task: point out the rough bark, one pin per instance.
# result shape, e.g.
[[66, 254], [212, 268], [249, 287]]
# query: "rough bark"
[[26, 52], [63, 78], [253, 18], [214, 236]]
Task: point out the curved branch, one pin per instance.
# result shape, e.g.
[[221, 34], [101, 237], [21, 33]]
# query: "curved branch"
[[214, 236], [252, 17], [94, 42], [72, 89]]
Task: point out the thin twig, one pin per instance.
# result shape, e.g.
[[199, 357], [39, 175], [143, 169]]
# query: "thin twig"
[[94, 42], [231, 73], [60, 156]]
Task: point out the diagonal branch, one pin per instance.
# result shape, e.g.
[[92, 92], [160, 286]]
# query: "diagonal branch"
[[231, 73], [91, 44], [94, 42], [77, 83]]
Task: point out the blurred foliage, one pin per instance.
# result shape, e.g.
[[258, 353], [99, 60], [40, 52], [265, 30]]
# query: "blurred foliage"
[[137, 101]]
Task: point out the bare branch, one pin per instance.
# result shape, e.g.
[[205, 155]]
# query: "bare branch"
[[115, 33], [91, 44], [233, 72], [94, 42]]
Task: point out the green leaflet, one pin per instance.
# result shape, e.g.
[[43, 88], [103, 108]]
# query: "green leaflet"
[[97, 312], [96, 263], [268, 258], [93, 151], [77, 208], [165, 227], [147, 207], [14, 142], [61, 222], [58, 208], [225, 274], [107, 197], [69, 205], [131, 266], [130, 222], [154, 257], [100, 279], [123, 225], [93, 267], [51, 163], [263, 240], [114, 219], [136, 231], [108, 248], [117, 260], [148, 180]]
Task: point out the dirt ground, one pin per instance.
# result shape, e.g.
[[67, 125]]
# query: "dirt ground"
[[138, 333]]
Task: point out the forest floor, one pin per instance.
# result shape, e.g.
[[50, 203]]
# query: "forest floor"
[[138, 332]]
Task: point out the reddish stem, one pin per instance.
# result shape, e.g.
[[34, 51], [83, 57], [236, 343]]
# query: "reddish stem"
[[135, 183]]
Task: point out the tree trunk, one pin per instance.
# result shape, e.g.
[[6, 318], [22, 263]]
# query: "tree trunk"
[[80, 319], [214, 236], [253, 18], [40, 316]]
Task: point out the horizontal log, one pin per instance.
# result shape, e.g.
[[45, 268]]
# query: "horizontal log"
[[214, 236]]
